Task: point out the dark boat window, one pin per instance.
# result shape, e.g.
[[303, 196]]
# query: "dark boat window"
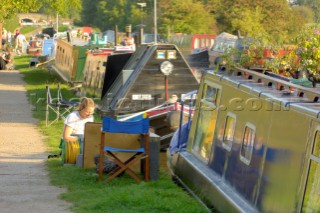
[[247, 144], [311, 201], [229, 128], [210, 94], [206, 122]]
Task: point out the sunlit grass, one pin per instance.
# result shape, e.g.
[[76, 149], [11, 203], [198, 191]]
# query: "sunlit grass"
[[84, 191], [27, 29]]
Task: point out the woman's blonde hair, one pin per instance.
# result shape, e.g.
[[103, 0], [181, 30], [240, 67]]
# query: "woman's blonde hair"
[[85, 103]]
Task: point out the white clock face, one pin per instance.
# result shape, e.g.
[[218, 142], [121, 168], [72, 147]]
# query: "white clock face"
[[166, 67]]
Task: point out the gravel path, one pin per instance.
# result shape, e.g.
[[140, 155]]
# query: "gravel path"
[[24, 181]]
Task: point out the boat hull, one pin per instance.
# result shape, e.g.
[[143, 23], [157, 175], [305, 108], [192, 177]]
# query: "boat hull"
[[205, 183]]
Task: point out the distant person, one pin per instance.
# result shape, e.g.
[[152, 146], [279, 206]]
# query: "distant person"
[[79, 34], [128, 41], [17, 32], [20, 41], [5, 59], [173, 99], [76, 120], [123, 42], [4, 37], [9, 37]]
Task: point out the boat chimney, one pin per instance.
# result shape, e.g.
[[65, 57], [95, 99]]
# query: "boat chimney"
[[116, 35], [128, 30]]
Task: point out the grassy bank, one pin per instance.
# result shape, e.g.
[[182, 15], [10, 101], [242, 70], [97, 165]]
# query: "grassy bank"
[[84, 192]]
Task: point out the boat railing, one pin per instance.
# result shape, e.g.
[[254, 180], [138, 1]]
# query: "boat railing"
[[280, 84], [139, 114]]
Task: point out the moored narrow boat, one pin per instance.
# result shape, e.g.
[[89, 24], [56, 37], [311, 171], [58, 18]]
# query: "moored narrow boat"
[[70, 58], [253, 145], [153, 77]]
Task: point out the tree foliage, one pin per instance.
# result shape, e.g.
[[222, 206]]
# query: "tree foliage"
[[8, 8], [190, 17], [65, 8], [272, 18], [306, 12], [105, 14], [314, 5]]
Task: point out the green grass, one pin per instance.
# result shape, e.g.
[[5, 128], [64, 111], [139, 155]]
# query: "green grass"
[[63, 28], [84, 191], [28, 29]]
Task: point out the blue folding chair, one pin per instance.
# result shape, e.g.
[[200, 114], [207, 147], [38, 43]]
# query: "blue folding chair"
[[110, 148]]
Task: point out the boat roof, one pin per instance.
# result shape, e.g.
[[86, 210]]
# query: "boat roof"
[[141, 75], [274, 88], [227, 36]]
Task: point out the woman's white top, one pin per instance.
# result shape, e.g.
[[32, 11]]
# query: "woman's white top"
[[77, 123]]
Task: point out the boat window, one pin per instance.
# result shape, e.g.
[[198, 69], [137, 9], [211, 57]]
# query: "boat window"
[[210, 94], [208, 42], [316, 147], [206, 122], [203, 42], [311, 201], [217, 45], [196, 43], [211, 42], [229, 128], [247, 143]]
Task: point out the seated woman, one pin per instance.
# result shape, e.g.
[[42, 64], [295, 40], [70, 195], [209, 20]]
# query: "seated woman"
[[5, 59], [76, 120]]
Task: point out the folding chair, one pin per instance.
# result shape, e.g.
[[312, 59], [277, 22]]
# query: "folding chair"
[[59, 107], [71, 104], [110, 129]]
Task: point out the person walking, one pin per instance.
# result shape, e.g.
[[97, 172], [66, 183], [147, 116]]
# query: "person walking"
[[9, 37], [21, 41]]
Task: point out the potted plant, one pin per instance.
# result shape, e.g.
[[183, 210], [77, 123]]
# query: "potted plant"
[[308, 51]]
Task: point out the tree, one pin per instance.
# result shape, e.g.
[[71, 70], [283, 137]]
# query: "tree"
[[305, 12], [89, 10], [272, 19], [8, 8], [247, 21], [189, 17], [105, 14], [65, 8]]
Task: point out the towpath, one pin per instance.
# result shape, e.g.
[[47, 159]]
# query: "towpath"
[[24, 181]]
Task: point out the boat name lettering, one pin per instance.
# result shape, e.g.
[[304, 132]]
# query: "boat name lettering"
[[141, 97]]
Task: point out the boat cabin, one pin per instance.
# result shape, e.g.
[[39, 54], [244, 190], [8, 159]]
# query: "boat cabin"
[[150, 77], [223, 42], [253, 145], [150, 81]]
